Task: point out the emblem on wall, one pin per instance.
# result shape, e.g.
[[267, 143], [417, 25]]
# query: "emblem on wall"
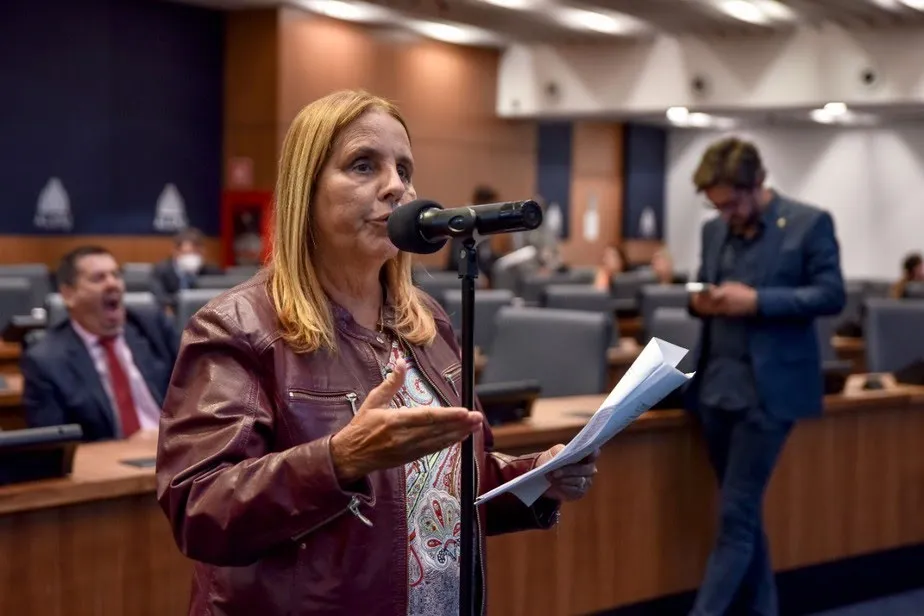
[[53, 210], [648, 223], [171, 210]]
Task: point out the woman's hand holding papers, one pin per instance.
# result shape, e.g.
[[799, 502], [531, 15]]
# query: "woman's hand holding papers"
[[571, 482]]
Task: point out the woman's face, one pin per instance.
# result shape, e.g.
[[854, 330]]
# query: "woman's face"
[[367, 174]]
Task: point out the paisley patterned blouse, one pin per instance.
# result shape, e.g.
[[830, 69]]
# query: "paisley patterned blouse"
[[433, 513]]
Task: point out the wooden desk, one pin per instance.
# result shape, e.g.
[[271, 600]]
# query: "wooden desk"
[[9, 357], [11, 413], [848, 483], [851, 349]]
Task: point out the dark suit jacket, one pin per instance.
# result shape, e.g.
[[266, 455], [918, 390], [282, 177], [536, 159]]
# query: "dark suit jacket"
[[165, 283], [800, 279], [61, 384]]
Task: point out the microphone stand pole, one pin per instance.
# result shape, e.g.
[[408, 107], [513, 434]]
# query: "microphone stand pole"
[[469, 544]]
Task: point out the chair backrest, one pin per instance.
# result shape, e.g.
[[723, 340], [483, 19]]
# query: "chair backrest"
[[16, 298], [533, 285], [654, 296], [38, 275], [625, 288], [56, 311], [136, 280], [577, 297], [138, 267], [675, 325], [488, 302], [435, 284], [222, 281], [189, 301], [564, 350], [914, 290], [894, 333], [248, 271], [826, 328]]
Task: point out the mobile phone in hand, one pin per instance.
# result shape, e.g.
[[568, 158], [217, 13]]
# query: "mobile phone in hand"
[[698, 287]]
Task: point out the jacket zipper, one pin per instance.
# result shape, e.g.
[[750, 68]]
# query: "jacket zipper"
[[353, 506]]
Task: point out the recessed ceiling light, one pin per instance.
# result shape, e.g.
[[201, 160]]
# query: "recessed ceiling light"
[[835, 109], [516, 5], [678, 114], [700, 120], [598, 22], [743, 10], [775, 11], [347, 11], [453, 33], [756, 11]]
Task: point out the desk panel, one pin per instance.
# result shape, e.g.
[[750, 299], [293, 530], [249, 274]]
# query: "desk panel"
[[849, 483]]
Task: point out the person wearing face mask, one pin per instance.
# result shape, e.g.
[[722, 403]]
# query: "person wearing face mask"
[[182, 269], [104, 367], [309, 452]]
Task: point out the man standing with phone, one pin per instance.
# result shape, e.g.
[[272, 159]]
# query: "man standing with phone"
[[769, 267]]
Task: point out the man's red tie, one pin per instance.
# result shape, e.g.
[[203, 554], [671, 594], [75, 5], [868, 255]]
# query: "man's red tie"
[[121, 389]]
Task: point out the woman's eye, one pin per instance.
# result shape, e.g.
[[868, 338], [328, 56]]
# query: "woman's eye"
[[405, 173], [362, 166]]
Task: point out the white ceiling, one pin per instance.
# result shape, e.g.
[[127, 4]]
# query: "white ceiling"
[[675, 16]]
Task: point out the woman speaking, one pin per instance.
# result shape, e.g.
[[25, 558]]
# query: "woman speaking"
[[309, 449]]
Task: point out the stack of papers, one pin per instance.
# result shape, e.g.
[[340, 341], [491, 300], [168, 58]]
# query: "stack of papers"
[[651, 377]]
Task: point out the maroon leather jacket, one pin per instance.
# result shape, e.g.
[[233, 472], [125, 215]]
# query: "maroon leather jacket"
[[244, 471]]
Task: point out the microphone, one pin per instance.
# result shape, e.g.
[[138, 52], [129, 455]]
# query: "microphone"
[[423, 227]]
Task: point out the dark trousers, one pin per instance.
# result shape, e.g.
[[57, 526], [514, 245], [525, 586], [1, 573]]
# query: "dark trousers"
[[743, 448]]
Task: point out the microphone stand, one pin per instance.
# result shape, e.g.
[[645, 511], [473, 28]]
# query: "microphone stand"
[[469, 546]]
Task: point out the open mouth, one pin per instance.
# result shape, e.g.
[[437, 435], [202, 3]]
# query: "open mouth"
[[112, 304]]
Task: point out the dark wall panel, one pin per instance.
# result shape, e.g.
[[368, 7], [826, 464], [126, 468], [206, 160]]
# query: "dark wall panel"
[[116, 98], [645, 161]]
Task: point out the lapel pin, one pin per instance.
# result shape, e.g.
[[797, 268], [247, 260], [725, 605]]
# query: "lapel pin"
[[780, 222]]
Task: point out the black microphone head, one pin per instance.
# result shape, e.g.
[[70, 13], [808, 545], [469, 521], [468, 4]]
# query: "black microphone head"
[[403, 230]]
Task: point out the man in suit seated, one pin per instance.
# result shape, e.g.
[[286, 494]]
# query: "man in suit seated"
[[182, 269], [105, 367]]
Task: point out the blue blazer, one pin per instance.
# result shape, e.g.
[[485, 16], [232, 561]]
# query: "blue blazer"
[[61, 385], [800, 279]]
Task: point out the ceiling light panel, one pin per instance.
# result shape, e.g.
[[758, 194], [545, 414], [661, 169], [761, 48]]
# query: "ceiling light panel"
[[760, 12], [349, 11], [596, 21]]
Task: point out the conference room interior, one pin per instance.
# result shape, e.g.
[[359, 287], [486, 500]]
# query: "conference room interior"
[[126, 121]]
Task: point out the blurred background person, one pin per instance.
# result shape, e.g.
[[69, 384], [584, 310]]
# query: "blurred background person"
[[912, 271], [105, 367], [612, 264], [182, 269]]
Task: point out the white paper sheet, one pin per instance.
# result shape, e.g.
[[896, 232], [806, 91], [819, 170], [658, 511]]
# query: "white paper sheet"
[[651, 377]]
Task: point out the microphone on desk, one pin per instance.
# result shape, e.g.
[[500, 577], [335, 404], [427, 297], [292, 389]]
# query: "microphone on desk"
[[423, 227]]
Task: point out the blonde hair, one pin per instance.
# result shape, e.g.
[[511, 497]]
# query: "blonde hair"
[[301, 304]]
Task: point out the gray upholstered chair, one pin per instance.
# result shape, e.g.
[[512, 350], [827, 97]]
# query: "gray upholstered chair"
[[189, 301], [675, 325], [16, 298], [222, 281], [488, 302], [564, 350], [38, 275], [654, 296], [894, 333]]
